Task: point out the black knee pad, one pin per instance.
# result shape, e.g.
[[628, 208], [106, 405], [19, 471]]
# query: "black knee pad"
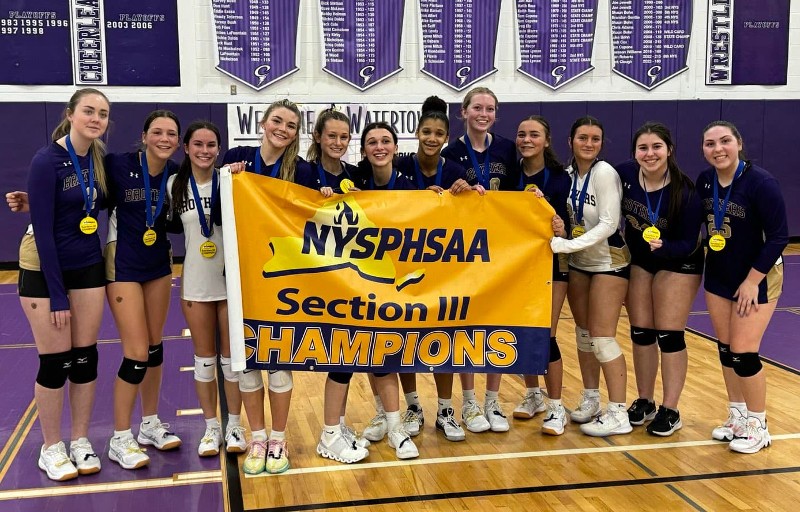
[[671, 341], [725, 354], [746, 364], [54, 369], [84, 365], [155, 355], [379, 375], [643, 336], [132, 371], [555, 353], [340, 377]]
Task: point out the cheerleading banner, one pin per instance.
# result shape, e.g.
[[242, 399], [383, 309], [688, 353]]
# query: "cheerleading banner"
[[555, 39], [386, 281], [362, 39], [650, 39], [256, 39]]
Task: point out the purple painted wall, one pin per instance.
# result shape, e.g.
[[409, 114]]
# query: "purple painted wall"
[[763, 125]]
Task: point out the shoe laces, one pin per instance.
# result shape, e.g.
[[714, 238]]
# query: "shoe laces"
[[754, 429], [130, 445], [553, 411], [236, 432], [493, 407], [472, 410], [276, 449], [83, 449], [160, 430], [377, 420], [531, 399], [256, 449], [587, 402], [57, 454], [401, 430], [349, 433], [639, 405], [410, 416], [211, 434]]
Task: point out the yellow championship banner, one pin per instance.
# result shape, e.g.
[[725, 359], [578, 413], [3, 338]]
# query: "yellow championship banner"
[[386, 281]]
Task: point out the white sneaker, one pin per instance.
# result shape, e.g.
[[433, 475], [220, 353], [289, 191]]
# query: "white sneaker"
[[555, 420], [210, 443], [473, 417], [447, 424], [377, 428], [235, 441], [360, 440], [401, 441], [158, 435], [608, 424], [735, 426], [530, 405], [756, 437], [126, 451], [587, 409], [341, 448], [497, 420], [413, 419], [55, 462], [84, 457]]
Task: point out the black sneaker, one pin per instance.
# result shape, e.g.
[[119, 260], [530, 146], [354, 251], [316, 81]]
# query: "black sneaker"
[[641, 410], [665, 423]]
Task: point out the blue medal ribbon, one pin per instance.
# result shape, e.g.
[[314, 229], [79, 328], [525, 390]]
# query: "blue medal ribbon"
[[148, 200], [653, 214], [390, 186], [719, 213], [323, 180], [87, 199], [522, 175], [276, 167], [205, 228], [481, 172], [421, 177]]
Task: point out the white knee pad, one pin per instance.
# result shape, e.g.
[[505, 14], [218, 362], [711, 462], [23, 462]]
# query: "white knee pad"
[[204, 368], [230, 375], [606, 349], [583, 340], [280, 381], [250, 380]]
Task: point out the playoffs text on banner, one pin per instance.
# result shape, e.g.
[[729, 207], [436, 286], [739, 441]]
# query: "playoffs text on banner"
[[388, 281]]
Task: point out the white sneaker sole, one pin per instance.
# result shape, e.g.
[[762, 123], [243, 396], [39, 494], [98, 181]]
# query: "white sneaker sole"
[[754, 449], [140, 464], [722, 436], [455, 438], [164, 447], [208, 453], [328, 454], [614, 432], [231, 448], [57, 478], [552, 431]]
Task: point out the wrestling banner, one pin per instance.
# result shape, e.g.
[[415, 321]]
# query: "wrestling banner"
[[386, 281]]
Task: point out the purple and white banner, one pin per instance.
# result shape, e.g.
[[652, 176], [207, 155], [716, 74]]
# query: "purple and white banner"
[[650, 39], [556, 38], [256, 39], [90, 42], [459, 38], [35, 38], [748, 42], [362, 40]]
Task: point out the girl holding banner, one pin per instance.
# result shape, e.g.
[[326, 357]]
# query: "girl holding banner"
[[666, 265], [277, 157], [193, 192], [598, 279], [747, 232], [490, 161], [540, 169]]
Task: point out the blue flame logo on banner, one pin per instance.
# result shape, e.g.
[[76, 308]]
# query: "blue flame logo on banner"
[[459, 38], [362, 39], [256, 39], [650, 39], [556, 38]]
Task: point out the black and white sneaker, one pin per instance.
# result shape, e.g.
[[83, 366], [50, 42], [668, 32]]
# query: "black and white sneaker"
[[641, 410], [665, 423]]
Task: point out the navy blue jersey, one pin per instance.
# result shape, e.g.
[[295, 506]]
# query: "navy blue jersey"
[[451, 172], [57, 206], [308, 175], [247, 154], [131, 260], [556, 190], [502, 161], [679, 241], [401, 182], [754, 227]]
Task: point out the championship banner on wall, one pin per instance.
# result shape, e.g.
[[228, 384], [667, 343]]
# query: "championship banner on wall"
[[256, 40], [748, 42], [90, 43], [459, 38], [362, 40], [650, 39], [244, 128], [555, 39], [364, 282]]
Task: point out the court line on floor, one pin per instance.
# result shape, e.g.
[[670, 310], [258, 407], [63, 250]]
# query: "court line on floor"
[[18, 435], [506, 456]]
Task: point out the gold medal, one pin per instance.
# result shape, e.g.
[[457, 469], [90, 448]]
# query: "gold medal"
[[578, 231], [208, 249], [88, 225], [346, 185], [716, 242], [651, 233], [531, 186], [149, 237]]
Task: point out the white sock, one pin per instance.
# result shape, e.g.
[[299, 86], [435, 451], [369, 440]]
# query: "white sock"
[[739, 406], [762, 417], [445, 403], [259, 435], [412, 398], [212, 423], [393, 419], [469, 394], [530, 391], [491, 395], [278, 435], [556, 402], [122, 433], [150, 420], [591, 393], [234, 420]]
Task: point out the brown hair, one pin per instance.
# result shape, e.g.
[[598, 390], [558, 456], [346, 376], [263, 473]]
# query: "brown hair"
[[289, 160]]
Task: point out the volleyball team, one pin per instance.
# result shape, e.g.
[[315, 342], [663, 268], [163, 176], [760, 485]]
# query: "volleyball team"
[[639, 234]]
